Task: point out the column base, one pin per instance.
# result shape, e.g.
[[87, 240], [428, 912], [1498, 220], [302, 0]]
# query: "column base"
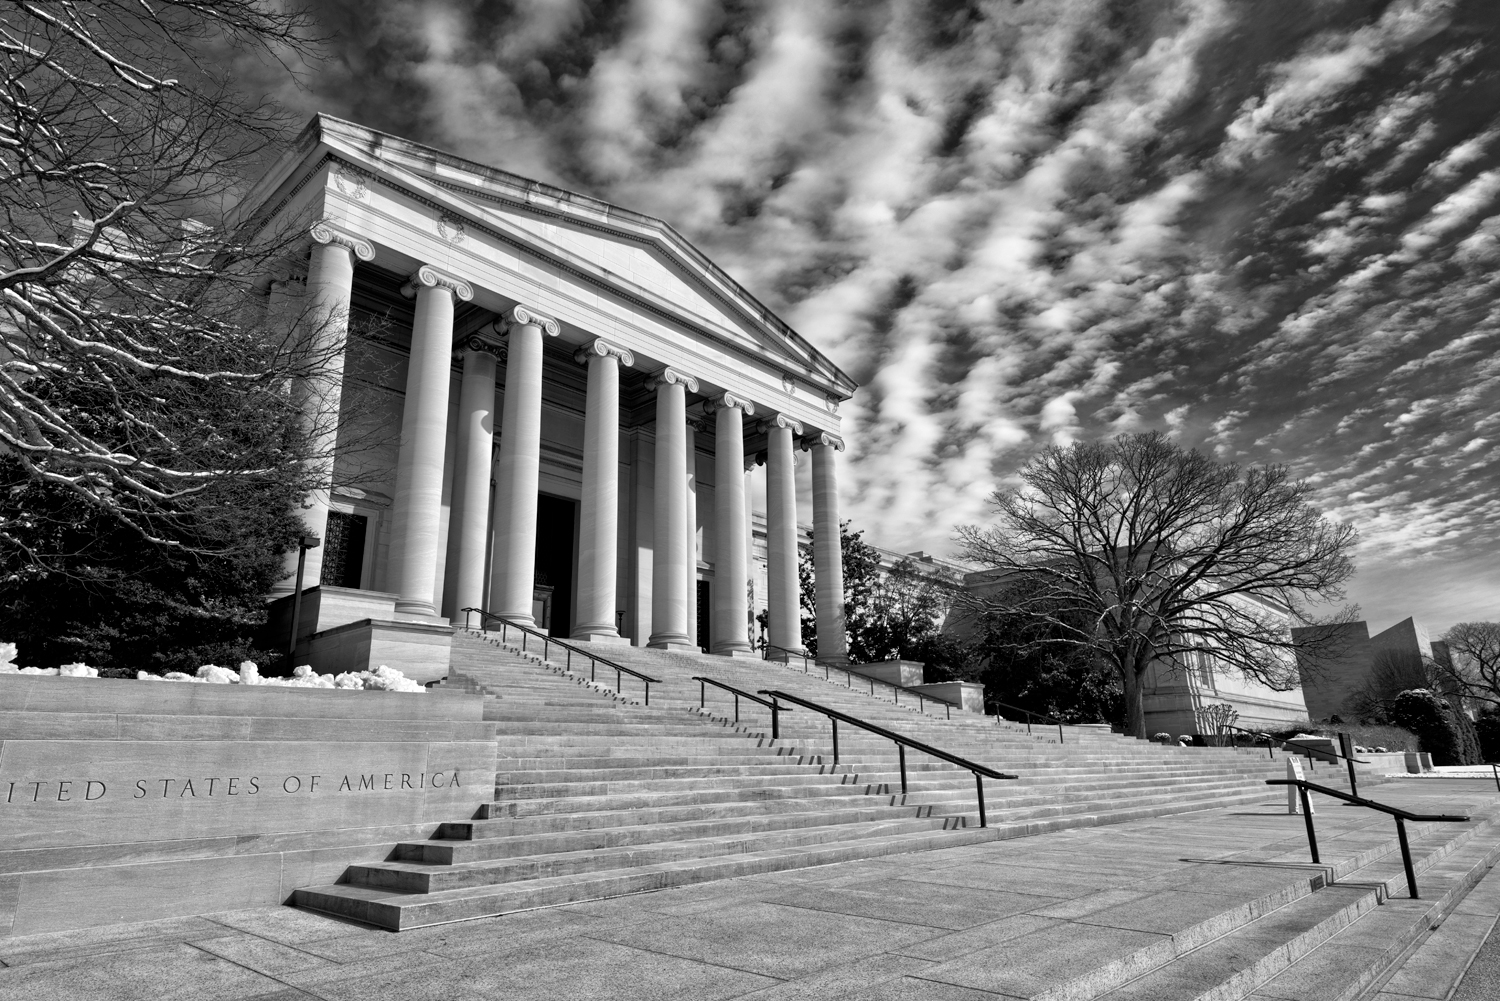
[[414, 610], [736, 651], [786, 657], [676, 642], [592, 634], [519, 618]]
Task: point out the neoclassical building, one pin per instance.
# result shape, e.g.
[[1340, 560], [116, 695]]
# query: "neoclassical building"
[[546, 406]]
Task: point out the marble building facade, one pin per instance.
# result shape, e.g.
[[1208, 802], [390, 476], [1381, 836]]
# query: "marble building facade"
[[546, 406]]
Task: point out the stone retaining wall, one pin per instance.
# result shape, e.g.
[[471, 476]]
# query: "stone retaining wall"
[[131, 800]]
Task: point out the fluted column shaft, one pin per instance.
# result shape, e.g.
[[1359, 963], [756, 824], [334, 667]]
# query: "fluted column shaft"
[[469, 523], [828, 558], [518, 471], [731, 559], [598, 532], [416, 520], [669, 548], [781, 536], [690, 527]]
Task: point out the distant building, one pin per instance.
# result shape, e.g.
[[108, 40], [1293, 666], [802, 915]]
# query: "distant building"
[[1347, 656]]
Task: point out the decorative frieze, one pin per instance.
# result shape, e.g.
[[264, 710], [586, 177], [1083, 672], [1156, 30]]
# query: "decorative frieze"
[[328, 233], [671, 377], [451, 228], [428, 276], [351, 181], [600, 348]]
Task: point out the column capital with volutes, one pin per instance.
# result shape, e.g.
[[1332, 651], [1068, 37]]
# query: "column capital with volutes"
[[782, 421], [832, 441], [600, 348], [428, 276], [519, 316], [727, 401], [331, 234], [672, 377]]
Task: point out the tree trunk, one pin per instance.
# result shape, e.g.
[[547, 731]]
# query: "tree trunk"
[[1135, 707]]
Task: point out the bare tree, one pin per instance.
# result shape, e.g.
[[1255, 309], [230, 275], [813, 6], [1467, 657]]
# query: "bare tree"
[[1143, 553], [1474, 656], [135, 363]]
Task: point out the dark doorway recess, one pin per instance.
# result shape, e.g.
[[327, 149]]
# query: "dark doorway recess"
[[556, 530], [705, 612], [343, 549]]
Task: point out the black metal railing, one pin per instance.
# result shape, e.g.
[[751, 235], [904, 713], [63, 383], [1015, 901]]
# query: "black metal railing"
[[1402, 816], [981, 772], [740, 693], [849, 676], [1029, 714], [531, 634]]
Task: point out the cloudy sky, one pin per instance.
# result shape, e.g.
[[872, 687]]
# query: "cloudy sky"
[[1271, 229]]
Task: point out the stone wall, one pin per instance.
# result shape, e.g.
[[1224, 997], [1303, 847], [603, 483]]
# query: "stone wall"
[[131, 800]]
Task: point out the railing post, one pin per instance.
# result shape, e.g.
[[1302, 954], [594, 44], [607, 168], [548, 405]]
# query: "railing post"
[[775, 720], [979, 787], [835, 739], [1312, 837], [948, 710], [1346, 746], [702, 693], [901, 752], [1411, 876], [1496, 769], [1059, 733], [736, 706]]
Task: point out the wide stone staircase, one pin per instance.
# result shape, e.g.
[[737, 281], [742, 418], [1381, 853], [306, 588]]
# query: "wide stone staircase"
[[598, 793]]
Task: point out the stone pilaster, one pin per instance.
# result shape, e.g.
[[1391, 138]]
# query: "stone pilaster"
[[416, 517], [669, 548], [598, 532], [518, 472], [781, 534], [730, 600]]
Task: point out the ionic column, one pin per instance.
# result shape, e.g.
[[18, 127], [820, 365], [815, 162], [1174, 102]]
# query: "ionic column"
[[518, 471], [730, 603], [468, 525], [416, 513], [828, 558], [690, 526], [781, 534], [598, 532], [324, 323], [669, 548]]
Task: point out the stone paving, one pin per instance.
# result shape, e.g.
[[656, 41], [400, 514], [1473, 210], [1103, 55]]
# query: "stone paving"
[[1000, 919]]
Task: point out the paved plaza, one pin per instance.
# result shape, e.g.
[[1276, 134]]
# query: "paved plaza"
[[1004, 919]]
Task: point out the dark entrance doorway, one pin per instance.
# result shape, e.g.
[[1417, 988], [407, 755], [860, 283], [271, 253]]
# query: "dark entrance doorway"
[[556, 530]]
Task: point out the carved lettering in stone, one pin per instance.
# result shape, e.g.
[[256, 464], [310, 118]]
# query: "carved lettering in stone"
[[46, 791]]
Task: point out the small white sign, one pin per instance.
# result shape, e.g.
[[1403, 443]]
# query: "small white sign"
[[1293, 794]]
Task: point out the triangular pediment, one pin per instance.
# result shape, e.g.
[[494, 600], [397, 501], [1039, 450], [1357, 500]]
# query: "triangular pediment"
[[634, 256]]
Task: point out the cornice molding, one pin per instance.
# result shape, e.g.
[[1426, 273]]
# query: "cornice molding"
[[671, 377], [428, 276], [329, 234], [600, 348]]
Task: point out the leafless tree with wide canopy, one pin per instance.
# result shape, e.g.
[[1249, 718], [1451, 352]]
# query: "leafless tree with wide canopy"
[[1142, 552], [135, 364]]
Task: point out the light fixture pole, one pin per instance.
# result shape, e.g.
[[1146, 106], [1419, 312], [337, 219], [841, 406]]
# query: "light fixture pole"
[[304, 543]]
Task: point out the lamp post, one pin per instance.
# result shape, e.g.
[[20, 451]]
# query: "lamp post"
[[304, 543]]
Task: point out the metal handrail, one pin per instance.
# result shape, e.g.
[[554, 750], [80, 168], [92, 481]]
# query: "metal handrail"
[[981, 772], [922, 698], [1402, 816], [1283, 743], [550, 641], [776, 710], [1029, 714]]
